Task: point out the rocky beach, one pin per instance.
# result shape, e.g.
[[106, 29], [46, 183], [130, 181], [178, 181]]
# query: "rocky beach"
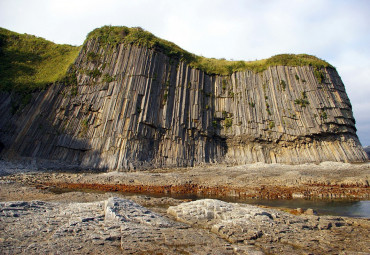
[[44, 212]]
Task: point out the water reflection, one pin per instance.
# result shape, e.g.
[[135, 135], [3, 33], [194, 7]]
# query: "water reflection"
[[337, 207], [324, 207]]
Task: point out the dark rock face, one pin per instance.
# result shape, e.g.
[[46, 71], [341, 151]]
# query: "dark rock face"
[[135, 108]]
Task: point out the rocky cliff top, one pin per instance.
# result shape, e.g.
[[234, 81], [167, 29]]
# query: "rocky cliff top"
[[137, 36], [31, 63]]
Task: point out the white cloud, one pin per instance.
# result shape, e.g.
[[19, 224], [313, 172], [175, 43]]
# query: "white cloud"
[[335, 30]]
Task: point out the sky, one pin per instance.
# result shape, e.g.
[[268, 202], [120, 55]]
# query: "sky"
[[337, 31]]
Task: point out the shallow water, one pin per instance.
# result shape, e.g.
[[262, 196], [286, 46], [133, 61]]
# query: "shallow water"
[[337, 207], [348, 208]]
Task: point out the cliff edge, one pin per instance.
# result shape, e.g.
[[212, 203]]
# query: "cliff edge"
[[130, 104]]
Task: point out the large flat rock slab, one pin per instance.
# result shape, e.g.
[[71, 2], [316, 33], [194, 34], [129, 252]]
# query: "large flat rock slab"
[[113, 226], [274, 231]]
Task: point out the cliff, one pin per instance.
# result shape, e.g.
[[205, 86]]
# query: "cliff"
[[131, 106]]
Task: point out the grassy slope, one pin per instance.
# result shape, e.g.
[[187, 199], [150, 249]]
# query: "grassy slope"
[[29, 63]]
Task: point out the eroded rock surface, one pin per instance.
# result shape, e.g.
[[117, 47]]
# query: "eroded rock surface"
[[114, 226], [118, 225], [274, 231]]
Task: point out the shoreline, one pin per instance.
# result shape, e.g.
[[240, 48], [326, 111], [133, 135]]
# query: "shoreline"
[[328, 180], [41, 222], [265, 192]]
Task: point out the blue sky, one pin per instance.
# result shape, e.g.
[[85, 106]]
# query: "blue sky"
[[337, 31]]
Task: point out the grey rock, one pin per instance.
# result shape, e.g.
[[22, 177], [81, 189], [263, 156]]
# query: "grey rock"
[[310, 211], [273, 231], [124, 210], [159, 112], [114, 226], [367, 150]]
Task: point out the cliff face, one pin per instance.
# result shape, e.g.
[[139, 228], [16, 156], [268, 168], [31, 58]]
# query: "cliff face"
[[134, 107]]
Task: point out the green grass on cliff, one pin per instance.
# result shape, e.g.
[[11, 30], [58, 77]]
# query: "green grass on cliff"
[[29, 63], [138, 36], [226, 67]]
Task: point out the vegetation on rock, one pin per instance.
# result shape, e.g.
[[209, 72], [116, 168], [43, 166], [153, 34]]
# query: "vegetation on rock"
[[29, 63], [139, 37], [228, 122], [303, 102], [319, 75]]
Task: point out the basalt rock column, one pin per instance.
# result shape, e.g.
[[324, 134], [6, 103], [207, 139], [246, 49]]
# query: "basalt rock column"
[[134, 107]]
